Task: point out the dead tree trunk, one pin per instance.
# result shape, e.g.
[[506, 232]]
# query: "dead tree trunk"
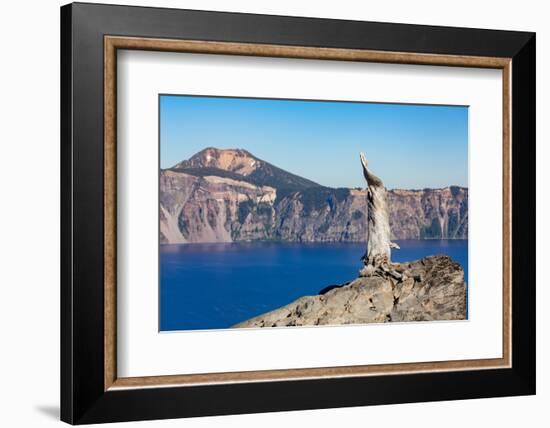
[[379, 245]]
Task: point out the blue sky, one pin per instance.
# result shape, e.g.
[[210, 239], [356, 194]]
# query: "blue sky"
[[408, 146]]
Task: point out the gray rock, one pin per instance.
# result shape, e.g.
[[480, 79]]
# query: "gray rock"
[[432, 288]]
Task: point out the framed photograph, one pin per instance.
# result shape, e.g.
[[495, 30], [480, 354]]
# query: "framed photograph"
[[265, 213]]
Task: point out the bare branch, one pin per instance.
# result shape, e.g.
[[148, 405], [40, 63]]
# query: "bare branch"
[[372, 180]]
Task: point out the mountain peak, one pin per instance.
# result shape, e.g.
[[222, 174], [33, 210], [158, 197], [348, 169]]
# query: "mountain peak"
[[239, 161]]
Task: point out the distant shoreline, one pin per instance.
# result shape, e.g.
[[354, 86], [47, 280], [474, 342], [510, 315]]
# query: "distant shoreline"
[[274, 241]]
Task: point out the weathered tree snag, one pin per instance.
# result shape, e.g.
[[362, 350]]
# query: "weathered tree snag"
[[379, 245]]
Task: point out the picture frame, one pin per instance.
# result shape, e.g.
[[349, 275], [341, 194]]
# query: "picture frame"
[[91, 390]]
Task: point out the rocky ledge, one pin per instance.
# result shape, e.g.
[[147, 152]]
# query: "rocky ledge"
[[432, 288]]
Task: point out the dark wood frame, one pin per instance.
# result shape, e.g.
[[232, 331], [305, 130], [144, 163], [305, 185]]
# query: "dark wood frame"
[[90, 390]]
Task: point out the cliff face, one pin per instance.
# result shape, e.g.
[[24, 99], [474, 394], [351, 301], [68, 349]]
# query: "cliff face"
[[209, 208], [429, 289], [429, 213], [230, 195]]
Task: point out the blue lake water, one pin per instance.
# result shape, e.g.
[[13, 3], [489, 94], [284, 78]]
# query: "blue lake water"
[[206, 286]]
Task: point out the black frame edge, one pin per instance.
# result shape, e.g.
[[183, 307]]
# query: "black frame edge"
[[305, 31], [524, 219], [66, 304]]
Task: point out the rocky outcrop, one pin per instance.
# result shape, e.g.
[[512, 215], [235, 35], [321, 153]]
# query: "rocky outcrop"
[[230, 195], [432, 288]]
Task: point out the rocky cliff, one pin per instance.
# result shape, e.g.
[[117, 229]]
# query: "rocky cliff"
[[230, 195], [429, 289], [429, 213]]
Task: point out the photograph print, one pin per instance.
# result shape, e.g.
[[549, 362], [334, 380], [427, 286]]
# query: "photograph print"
[[302, 213]]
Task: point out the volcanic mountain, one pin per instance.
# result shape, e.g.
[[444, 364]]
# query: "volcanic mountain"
[[241, 164], [226, 195]]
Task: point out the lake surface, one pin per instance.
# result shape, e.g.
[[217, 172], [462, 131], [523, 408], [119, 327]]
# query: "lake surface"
[[206, 286]]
